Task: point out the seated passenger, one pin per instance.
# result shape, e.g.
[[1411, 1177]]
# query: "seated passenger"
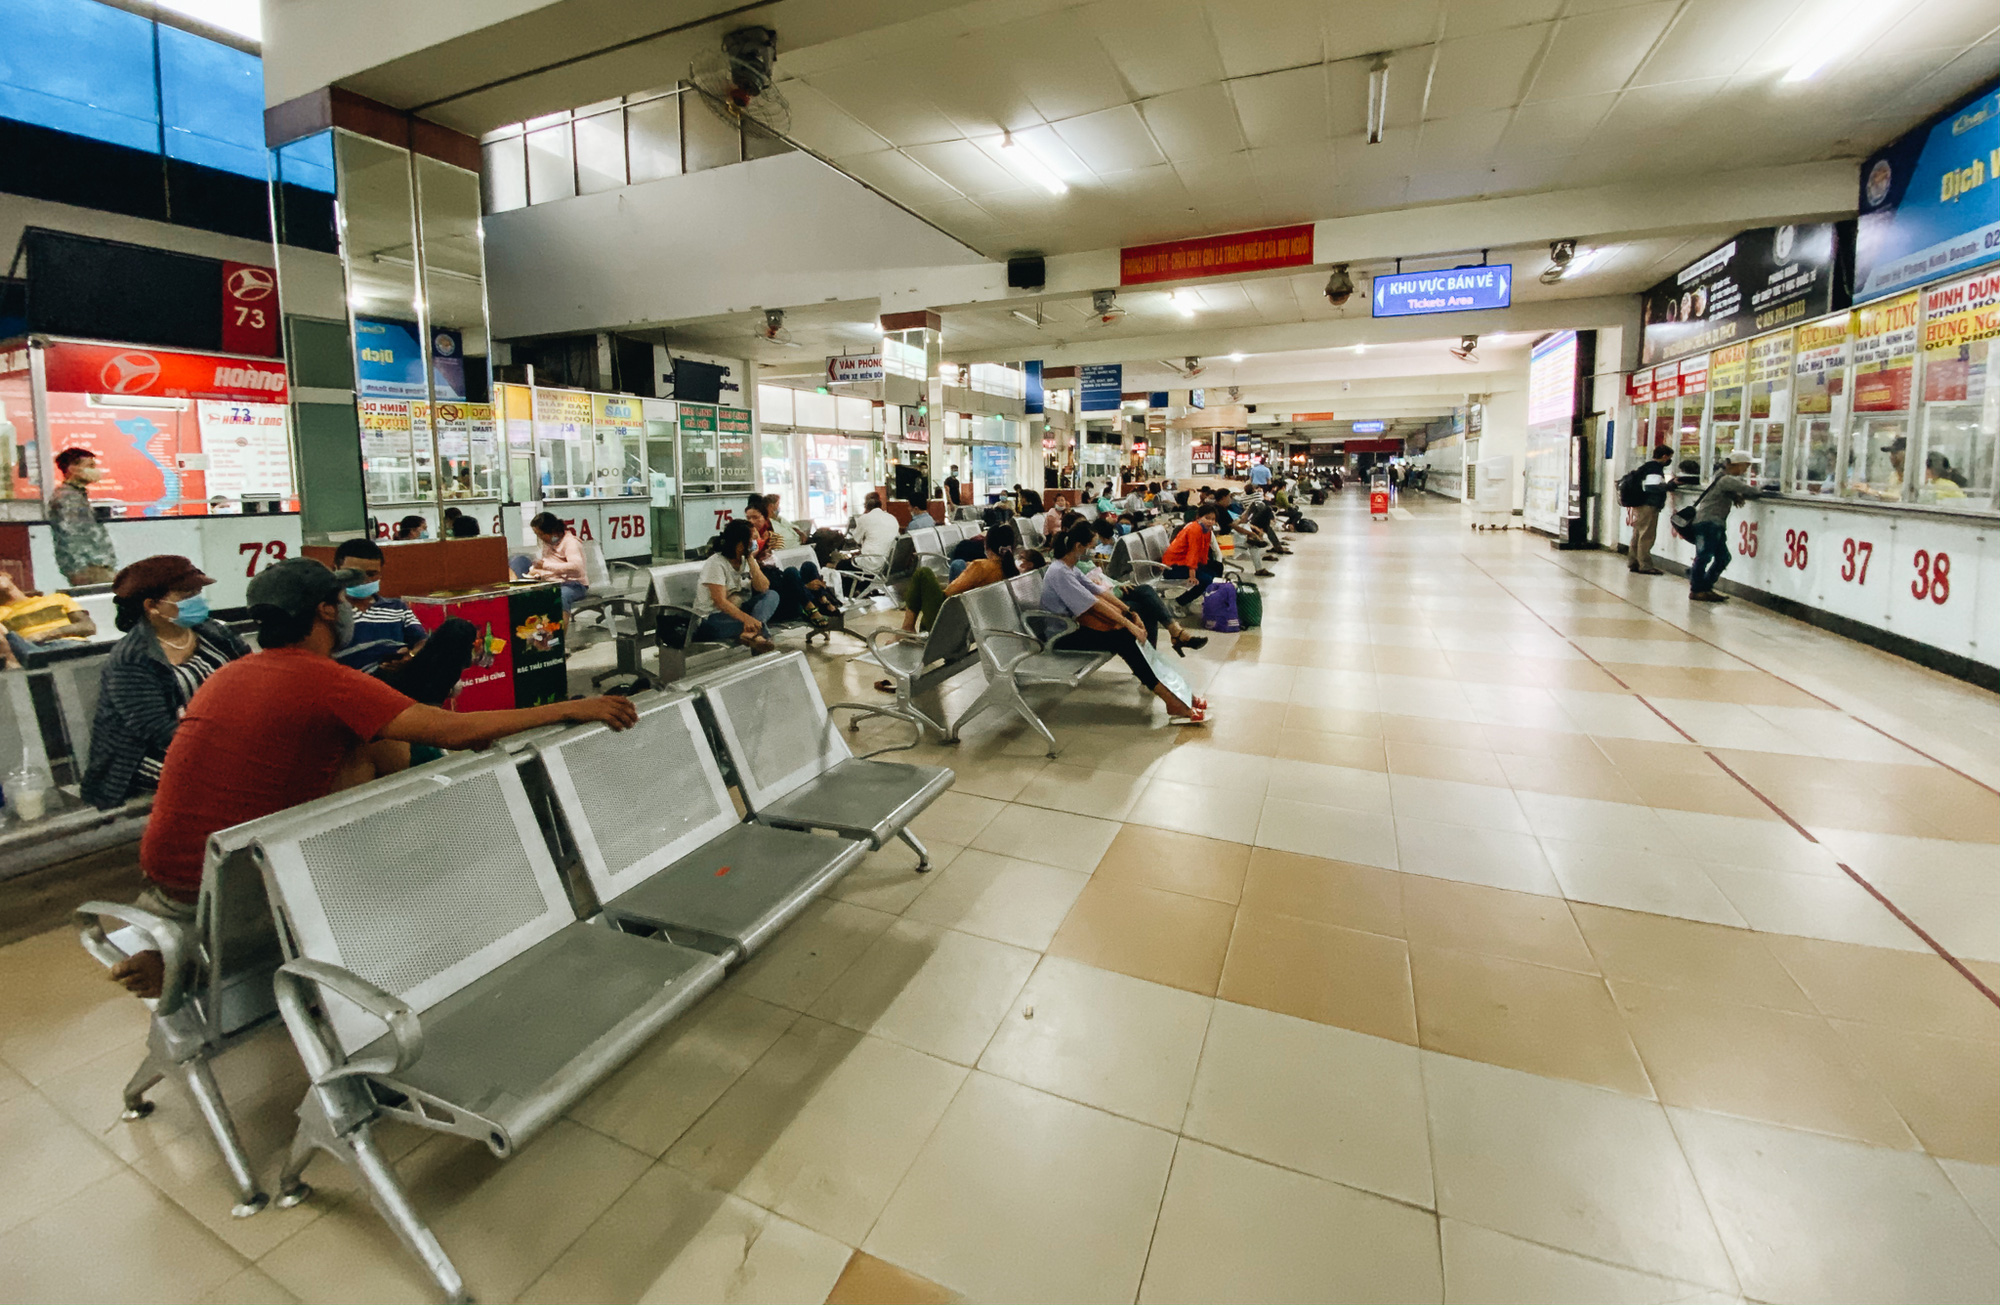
[[1135, 503], [1106, 624], [763, 542], [411, 527], [289, 724], [389, 642], [732, 595], [875, 532], [170, 647], [1193, 553], [1052, 521], [970, 549], [33, 621], [926, 594], [560, 558], [790, 534], [464, 527], [1142, 599]]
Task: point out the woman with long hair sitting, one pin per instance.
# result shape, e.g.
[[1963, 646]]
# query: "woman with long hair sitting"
[[1105, 624]]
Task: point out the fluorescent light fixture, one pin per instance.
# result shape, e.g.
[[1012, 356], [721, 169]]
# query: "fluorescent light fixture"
[[1236, 357], [1022, 159], [1378, 98], [1183, 302], [1023, 316], [1361, 348]]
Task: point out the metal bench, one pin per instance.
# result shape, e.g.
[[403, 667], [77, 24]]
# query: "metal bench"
[[795, 771], [659, 842], [38, 739], [673, 623], [1015, 654], [916, 663], [466, 998], [612, 608]]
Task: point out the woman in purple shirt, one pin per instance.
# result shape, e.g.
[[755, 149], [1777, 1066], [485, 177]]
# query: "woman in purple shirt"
[[1105, 624]]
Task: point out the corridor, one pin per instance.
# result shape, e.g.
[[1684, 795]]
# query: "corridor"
[[1514, 932]]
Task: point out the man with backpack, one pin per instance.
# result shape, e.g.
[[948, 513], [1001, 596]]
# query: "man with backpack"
[[1706, 524], [1643, 491]]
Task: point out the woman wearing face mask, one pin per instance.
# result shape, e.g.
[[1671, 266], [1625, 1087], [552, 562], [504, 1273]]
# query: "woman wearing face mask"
[[170, 647]]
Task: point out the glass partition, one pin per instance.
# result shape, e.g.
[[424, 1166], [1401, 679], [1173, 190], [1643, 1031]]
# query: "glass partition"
[[1961, 403], [1885, 355]]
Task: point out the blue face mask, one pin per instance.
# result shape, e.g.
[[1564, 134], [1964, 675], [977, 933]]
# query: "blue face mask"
[[190, 612], [368, 590]]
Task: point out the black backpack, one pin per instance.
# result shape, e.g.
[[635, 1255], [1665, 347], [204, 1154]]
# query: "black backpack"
[[1631, 486]]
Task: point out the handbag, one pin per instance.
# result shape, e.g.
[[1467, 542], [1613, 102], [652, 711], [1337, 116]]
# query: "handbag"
[[1683, 519]]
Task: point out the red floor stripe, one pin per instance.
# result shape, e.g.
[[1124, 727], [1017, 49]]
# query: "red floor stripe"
[[1779, 811]]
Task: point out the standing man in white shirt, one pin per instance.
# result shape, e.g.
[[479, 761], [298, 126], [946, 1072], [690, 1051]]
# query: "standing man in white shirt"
[[875, 532]]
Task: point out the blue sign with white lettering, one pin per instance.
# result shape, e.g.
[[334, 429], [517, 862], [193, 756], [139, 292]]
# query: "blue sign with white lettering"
[[1102, 386], [1037, 398], [1370, 427], [1930, 201], [1452, 290], [388, 363]]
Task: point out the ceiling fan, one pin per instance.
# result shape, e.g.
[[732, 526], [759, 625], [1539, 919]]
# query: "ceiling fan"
[[1465, 351], [773, 330], [1105, 308]]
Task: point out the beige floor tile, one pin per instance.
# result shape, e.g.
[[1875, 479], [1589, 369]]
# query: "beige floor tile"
[[1481, 1266], [999, 897], [1493, 857], [869, 1281], [671, 1237], [251, 1287], [1217, 813], [1662, 884], [1707, 959], [1527, 1017], [1354, 787], [1334, 720], [39, 1042], [811, 953], [1233, 1229], [1773, 1065], [1331, 892], [1946, 1089], [1104, 1039], [44, 1159], [1911, 990], [502, 1222], [1592, 1172], [1778, 1196], [938, 990], [1207, 766], [822, 1129], [1106, 794], [887, 879], [653, 1099], [1176, 862], [1001, 778], [1358, 751], [1320, 972], [1494, 922], [1162, 937], [1057, 838], [1323, 1100], [1022, 1196], [113, 1239], [956, 818], [1336, 833]]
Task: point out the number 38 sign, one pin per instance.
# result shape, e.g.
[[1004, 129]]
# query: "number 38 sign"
[[1934, 585]]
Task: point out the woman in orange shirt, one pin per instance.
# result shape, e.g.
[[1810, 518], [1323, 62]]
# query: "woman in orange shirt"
[[1192, 553]]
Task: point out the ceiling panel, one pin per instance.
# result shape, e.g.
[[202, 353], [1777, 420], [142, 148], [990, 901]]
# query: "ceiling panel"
[[1282, 108], [1257, 38], [1056, 62], [1551, 128], [1467, 141], [820, 124], [1195, 124], [966, 167], [1350, 28], [1157, 47], [1648, 115], [1714, 38], [873, 94], [1939, 25], [1598, 52], [1475, 17], [1115, 140], [900, 177], [1484, 72]]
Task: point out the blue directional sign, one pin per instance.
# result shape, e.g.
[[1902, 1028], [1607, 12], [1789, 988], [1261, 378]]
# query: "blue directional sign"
[[1102, 386], [1370, 427], [1452, 290]]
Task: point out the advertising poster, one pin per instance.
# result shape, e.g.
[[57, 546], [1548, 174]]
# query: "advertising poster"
[[1820, 366], [1727, 367], [488, 683], [535, 632], [1930, 201], [1770, 371], [387, 362], [117, 369], [17, 422], [448, 363], [246, 449], [1959, 321], [139, 450], [385, 430], [1761, 280], [1885, 353], [1551, 416], [734, 464]]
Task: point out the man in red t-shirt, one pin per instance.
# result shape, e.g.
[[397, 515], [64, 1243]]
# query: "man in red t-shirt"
[[290, 724]]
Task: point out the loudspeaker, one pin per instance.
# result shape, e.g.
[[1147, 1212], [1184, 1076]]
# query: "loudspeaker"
[[1249, 407], [1027, 272]]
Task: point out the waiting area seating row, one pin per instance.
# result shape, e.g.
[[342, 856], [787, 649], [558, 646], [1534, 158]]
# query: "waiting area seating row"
[[471, 946], [46, 713]]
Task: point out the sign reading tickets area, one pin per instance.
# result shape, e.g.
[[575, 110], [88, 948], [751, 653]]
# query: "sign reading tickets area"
[[1930, 201], [1453, 290], [1761, 280], [1245, 251]]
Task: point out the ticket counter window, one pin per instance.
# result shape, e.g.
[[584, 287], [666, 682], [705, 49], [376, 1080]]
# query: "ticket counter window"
[[839, 474], [1768, 399], [1885, 355], [1725, 422], [1819, 406], [1877, 454], [1960, 408], [1689, 465]]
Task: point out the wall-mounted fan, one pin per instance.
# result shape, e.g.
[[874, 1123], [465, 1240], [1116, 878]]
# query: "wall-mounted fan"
[[736, 81], [1105, 308]]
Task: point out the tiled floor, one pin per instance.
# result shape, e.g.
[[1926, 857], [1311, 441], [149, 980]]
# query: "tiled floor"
[[1498, 941]]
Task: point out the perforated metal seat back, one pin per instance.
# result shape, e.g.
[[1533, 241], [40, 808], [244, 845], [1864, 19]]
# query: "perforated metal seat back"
[[1027, 590], [20, 733], [640, 799], [774, 723], [675, 585], [78, 687], [422, 894], [242, 943], [951, 633], [596, 571]]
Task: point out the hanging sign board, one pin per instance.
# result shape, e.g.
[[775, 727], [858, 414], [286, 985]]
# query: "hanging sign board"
[[1103, 386], [117, 369], [1885, 354], [854, 370], [1452, 290], [1245, 251], [1761, 280], [1930, 201]]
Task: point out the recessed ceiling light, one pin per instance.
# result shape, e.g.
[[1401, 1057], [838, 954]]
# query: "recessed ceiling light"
[[1183, 302], [1020, 158]]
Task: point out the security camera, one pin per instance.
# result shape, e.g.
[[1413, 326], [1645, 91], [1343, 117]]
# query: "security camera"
[[774, 322], [1561, 254], [1339, 286]]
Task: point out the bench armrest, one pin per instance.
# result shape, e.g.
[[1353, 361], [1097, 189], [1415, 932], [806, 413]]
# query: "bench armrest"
[[876, 638], [169, 938], [1007, 664], [313, 1032]]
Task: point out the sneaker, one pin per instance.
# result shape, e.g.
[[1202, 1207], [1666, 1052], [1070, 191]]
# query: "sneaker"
[[1707, 596]]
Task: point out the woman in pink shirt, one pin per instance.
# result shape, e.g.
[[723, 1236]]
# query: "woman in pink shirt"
[[560, 559]]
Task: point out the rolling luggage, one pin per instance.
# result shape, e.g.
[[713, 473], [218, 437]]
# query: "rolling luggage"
[[1218, 608]]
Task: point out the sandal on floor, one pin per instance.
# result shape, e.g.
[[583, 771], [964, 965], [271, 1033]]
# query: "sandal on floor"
[[1196, 717], [884, 686]]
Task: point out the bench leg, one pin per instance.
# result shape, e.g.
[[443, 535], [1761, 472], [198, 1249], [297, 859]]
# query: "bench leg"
[[200, 1080], [386, 1190], [909, 836], [150, 1071]]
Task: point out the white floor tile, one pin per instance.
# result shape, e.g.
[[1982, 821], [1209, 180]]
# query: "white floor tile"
[[1811, 906], [1608, 824], [1493, 857], [1366, 838], [1194, 809], [1057, 838], [1328, 1101], [1448, 802], [1023, 1196], [937, 990], [1482, 1266], [1330, 786], [999, 897], [1233, 1229], [1639, 881], [1808, 1217], [1744, 841]]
